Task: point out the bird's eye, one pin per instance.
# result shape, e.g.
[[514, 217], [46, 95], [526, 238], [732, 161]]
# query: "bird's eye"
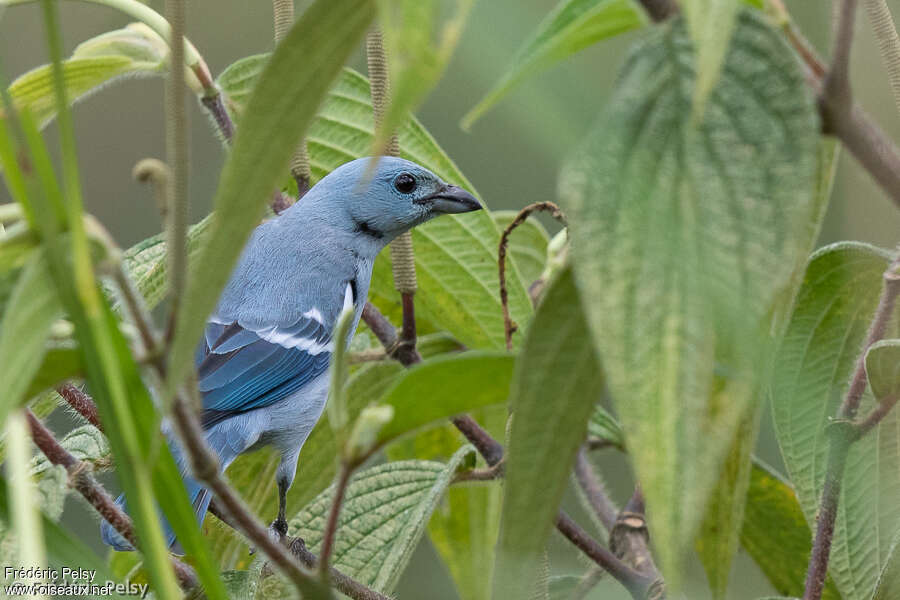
[[405, 183]]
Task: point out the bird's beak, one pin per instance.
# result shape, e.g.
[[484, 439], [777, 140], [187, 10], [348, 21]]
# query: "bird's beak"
[[452, 200]]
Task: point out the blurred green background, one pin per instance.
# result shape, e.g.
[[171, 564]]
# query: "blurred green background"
[[512, 155]]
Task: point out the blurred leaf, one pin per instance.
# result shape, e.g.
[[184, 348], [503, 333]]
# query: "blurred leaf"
[[133, 51], [392, 501], [61, 362], [710, 23], [883, 368], [685, 240], [464, 527], [556, 384], [52, 489], [456, 255], [279, 112], [812, 369], [572, 26], [717, 540], [254, 474], [110, 368], [240, 585], [23, 510], [24, 329], [63, 549], [603, 426], [562, 587], [415, 62], [888, 585], [527, 243], [775, 534], [453, 385]]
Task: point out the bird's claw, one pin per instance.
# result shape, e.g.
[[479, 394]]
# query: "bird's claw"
[[277, 533]]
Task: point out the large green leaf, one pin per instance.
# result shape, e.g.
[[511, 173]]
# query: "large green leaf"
[[572, 26], [24, 329], [383, 517], [686, 237], [279, 112], [556, 384], [888, 585], [812, 368], [453, 384], [455, 255], [775, 534], [710, 23], [883, 369], [463, 529], [133, 51]]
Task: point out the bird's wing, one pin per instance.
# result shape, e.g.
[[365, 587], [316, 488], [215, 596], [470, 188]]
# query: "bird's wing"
[[241, 366]]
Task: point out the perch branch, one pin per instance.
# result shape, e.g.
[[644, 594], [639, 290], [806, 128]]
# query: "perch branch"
[[80, 478], [843, 432], [509, 327], [629, 539]]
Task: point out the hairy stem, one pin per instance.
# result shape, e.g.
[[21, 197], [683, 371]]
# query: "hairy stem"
[[332, 524], [403, 262], [81, 403], [888, 42], [177, 158], [80, 478], [593, 489]]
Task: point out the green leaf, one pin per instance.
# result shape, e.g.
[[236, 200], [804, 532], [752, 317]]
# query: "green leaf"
[[392, 502], [415, 62], [717, 541], [775, 534], [686, 238], [603, 426], [572, 26], [61, 362], [134, 51], [818, 353], [463, 529], [527, 243], [456, 256], [24, 329], [453, 384], [562, 587], [556, 384], [254, 474], [710, 23], [888, 585], [278, 114], [883, 369]]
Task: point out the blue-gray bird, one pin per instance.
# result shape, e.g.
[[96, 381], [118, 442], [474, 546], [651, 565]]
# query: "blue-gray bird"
[[263, 365]]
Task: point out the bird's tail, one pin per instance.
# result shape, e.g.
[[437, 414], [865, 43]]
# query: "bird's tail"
[[200, 498]]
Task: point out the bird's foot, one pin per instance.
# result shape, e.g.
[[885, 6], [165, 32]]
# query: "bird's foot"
[[277, 533]]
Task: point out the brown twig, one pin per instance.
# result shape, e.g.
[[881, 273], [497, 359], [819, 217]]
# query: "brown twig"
[[488, 474], [343, 583], [629, 539], [509, 327], [81, 403], [842, 433], [80, 478], [593, 489], [333, 514], [386, 333], [216, 108]]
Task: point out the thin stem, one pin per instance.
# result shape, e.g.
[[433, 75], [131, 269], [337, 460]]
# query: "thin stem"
[[81, 403], [332, 524], [842, 433], [489, 448], [95, 494], [593, 489], [637, 584], [177, 158], [875, 417], [205, 468], [133, 303], [836, 87], [343, 583], [509, 327], [216, 108]]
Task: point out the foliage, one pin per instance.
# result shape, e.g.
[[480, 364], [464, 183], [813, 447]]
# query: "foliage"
[[680, 292]]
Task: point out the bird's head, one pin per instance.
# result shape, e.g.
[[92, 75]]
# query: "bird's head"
[[385, 199]]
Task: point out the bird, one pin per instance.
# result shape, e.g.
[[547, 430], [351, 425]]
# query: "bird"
[[263, 363]]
